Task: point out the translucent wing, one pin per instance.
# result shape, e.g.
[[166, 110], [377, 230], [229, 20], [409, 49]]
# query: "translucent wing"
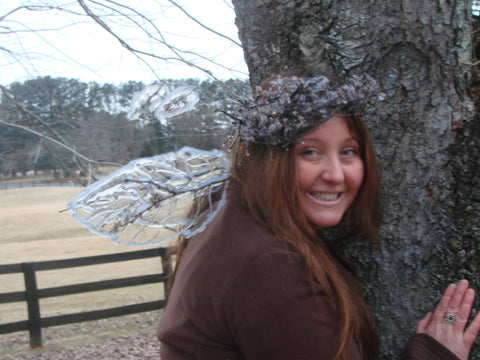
[[146, 101], [177, 102], [164, 104], [153, 199]]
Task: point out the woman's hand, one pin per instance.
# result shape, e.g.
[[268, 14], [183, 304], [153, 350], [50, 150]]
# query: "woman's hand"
[[457, 301]]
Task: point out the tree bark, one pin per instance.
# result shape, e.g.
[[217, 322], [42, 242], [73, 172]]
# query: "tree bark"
[[424, 133]]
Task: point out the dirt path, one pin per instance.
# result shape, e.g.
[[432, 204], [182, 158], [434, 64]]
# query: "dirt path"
[[126, 337]]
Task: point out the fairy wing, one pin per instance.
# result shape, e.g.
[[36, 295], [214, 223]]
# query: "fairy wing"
[[153, 199]]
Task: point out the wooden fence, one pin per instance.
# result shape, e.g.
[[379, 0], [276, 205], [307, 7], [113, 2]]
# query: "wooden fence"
[[32, 294]]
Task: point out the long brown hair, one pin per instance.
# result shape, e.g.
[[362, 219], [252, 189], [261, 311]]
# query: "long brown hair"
[[265, 179]]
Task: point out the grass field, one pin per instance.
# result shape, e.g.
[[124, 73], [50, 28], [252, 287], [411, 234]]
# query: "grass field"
[[35, 226]]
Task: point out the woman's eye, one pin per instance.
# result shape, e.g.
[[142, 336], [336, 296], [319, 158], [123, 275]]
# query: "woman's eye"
[[350, 152], [308, 152]]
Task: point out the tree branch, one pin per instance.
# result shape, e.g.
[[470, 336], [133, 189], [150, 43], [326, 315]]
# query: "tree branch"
[[202, 25], [56, 142]]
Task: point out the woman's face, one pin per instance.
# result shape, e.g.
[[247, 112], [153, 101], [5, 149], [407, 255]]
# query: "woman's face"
[[329, 171]]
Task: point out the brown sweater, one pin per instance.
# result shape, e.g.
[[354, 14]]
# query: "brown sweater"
[[241, 294]]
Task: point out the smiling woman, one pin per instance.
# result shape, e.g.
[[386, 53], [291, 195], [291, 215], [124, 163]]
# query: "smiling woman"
[[262, 281], [329, 170], [119, 41]]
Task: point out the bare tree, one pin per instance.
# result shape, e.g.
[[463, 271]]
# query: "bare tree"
[[144, 33], [151, 32]]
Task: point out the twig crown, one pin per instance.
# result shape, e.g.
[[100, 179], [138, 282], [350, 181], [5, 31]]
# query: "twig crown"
[[290, 106]]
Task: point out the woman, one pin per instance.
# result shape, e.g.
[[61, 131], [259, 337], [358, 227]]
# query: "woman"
[[261, 281]]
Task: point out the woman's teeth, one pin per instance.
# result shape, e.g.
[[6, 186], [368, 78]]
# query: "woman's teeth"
[[326, 196]]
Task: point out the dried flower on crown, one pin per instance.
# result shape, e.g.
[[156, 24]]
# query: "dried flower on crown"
[[290, 106]]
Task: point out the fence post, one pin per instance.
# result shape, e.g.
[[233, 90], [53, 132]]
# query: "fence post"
[[33, 306], [168, 263]]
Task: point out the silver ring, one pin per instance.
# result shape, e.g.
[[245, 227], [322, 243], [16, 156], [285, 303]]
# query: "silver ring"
[[450, 319]]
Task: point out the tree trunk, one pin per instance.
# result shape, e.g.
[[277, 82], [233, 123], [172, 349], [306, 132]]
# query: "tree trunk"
[[424, 133]]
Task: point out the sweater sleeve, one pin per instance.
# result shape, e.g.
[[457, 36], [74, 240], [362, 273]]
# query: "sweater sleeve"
[[274, 313], [424, 347]]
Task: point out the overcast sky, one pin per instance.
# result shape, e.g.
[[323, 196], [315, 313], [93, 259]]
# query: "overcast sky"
[[61, 43]]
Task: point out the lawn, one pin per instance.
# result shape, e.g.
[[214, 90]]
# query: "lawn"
[[36, 226]]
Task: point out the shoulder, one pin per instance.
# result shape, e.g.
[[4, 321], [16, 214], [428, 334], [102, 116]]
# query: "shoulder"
[[260, 268], [270, 283], [236, 237], [230, 245]]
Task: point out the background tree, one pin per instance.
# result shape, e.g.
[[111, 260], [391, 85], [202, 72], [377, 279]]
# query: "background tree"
[[425, 133], [92, 119]]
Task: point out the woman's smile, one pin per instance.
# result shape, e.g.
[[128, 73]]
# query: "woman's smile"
[[329, 197]]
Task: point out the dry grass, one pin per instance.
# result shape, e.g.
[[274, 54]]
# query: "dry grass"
[[35, 227]]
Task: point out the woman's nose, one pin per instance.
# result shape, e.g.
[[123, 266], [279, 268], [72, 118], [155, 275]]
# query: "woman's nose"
[[333, 171]]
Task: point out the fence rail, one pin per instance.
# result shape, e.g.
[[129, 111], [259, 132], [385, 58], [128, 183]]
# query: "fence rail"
[[32, 294], [39, 183]]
